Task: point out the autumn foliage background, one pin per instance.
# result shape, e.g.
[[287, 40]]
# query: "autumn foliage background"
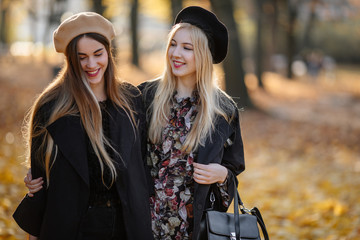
[[301, 143]]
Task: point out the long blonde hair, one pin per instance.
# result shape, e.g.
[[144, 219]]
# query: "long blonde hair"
[[71, 94], [211, 103]]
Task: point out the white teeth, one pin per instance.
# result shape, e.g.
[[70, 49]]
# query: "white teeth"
[[178, 63], [93, 72]]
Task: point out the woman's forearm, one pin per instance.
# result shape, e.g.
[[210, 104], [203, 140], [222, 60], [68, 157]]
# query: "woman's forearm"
[[31, 237]]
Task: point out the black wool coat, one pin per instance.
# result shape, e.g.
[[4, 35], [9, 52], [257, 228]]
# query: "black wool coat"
[[56, 212], [215, 150]]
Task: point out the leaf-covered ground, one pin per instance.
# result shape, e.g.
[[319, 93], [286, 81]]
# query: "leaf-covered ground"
[[301, 148], [303, 161]]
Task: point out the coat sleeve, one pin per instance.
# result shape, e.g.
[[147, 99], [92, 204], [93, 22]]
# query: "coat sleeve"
[[233, 160], [29, 213], [143, 127], [141, 124]]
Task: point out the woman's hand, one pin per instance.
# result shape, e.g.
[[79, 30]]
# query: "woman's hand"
[[31, 237], [33, 185], [209, 174]]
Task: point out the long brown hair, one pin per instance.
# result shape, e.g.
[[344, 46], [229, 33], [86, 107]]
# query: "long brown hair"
[[72, 95]]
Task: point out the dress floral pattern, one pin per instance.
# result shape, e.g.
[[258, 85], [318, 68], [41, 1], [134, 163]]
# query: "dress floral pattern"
[[172, 171]]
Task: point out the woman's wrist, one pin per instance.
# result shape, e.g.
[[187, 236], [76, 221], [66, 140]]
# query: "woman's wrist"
[[31, 237], [224, 178]]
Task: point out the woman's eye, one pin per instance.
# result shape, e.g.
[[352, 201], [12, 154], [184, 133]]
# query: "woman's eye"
[[98, 55]]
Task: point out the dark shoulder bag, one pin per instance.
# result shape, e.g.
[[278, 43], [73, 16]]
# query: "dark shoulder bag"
[[218, 225]]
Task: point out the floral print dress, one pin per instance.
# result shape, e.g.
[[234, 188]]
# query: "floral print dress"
[[172, 171]]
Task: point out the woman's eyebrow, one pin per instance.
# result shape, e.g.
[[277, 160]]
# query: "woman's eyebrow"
[[186, 43], [98, 50], [80, 53]]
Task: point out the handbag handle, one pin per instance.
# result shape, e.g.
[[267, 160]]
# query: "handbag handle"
[[255, 211], [237, 200]]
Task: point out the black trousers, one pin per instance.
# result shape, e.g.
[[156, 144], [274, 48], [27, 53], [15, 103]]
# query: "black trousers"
[[103, 223]]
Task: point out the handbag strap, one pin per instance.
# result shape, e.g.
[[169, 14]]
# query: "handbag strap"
[[255, 211], [237, 199]]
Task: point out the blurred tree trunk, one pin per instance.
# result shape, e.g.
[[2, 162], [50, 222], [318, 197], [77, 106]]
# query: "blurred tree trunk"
[[291, 42], [134, 32], [270, 33], [56, 9], [233, 68], [176, 6], [259, 53], [274, 25], [310, 25], [3, 22], [98, 7]]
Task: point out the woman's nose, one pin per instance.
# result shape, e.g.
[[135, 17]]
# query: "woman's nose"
[[176, 52], [91, 63]]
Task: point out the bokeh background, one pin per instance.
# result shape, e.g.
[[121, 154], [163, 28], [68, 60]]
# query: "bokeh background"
[[293, 68]]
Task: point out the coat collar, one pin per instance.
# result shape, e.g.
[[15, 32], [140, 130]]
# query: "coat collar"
[[69, 135]]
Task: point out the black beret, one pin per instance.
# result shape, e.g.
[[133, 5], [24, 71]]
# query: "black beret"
[[214, 30]]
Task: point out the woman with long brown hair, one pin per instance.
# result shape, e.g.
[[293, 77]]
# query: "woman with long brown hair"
[[85, 134]]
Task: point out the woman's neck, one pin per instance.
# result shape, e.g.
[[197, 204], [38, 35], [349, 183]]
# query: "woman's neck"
[[99, 92], [185, 87]]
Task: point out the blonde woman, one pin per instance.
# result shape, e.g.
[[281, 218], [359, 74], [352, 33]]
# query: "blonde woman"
[[194, 140], [85, 132]]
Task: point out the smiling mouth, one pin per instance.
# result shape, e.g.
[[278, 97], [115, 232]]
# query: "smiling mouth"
[[93, 73], [178, 64]]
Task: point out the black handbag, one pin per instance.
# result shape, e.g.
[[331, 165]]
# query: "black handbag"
[[217, 225]]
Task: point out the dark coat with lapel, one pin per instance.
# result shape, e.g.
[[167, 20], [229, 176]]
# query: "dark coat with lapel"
[[56, 212], [215, 150]]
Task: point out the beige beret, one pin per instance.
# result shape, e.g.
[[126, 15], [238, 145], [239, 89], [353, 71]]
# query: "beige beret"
[[84, 22]]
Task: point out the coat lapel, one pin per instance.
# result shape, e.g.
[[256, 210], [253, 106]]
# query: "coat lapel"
[[122, 139], [209, 153], [222, 132], [116, 124], [121, 135], [70, 137]]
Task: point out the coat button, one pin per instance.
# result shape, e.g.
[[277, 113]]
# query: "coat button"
[[199, 206]]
